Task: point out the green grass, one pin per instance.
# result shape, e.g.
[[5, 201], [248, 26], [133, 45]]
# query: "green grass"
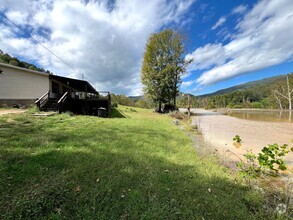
[[137, 165]]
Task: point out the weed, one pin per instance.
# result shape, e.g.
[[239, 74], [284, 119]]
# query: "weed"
[[237, 139]]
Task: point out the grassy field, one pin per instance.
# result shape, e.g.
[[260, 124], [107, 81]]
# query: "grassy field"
[[137, 165]]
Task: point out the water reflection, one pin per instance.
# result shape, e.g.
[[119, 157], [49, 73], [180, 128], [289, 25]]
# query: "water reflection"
[[263, 115]]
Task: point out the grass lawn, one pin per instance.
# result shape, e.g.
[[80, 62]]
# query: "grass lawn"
[[137, 165]]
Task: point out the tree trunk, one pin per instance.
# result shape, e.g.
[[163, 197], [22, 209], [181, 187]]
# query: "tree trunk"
[[289, 93], [175, 90], [160, 106], [278, 100]]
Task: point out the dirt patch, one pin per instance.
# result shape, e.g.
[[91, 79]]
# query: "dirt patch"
[[11, 111]]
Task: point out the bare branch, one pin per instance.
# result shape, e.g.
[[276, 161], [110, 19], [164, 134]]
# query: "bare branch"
[[281, 94]]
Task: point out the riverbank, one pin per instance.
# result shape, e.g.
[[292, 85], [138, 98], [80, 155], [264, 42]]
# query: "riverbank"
[[218, 131]]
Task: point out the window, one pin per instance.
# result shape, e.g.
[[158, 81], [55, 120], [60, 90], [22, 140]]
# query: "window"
[[55, 87], [65, 89]]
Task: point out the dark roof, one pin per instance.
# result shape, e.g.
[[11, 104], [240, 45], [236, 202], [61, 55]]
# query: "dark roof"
[[79, 85]]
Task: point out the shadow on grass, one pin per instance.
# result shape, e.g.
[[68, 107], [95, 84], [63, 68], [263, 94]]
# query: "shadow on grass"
[[115, 113], [108, 185], [108, 171]]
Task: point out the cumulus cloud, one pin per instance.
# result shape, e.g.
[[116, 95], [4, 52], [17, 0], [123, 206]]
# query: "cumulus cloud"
[[101, 40], [264, 38], [207, 57], [220, 22]]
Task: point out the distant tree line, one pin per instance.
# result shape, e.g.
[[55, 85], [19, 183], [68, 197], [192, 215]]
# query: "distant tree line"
[[140, 102], [277, 94], [6, 58]]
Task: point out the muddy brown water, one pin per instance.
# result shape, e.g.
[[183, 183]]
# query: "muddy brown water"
[[263, 115], [257, 128]]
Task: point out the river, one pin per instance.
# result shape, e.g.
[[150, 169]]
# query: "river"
[[256, 129], [262, 115]]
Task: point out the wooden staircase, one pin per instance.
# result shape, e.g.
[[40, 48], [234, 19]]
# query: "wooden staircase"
[[50, 105], [45, 103]]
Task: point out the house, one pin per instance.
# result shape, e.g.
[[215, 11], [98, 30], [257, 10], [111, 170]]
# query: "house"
[[20, 86]]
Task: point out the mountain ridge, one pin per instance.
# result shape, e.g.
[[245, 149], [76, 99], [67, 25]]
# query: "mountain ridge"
[[244, 86]]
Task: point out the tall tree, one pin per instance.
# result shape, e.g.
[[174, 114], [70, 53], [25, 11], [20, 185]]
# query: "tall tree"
[[285, 91], [162, 66]]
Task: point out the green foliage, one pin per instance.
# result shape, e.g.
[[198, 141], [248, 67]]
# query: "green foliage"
[[121, 100], [271, 156], [257, 94], [6, 58], [249, 168], [254, 200], [114, 105], [162, 66], [237, 138], [269, 161], [32, 110], [182, 101], [141, 104]]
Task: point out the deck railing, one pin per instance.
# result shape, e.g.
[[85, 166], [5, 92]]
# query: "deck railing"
[[62, 102], [43, 99], [63, 98], [90, 96]]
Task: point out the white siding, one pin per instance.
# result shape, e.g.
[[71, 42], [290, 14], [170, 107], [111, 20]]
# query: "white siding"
[[18, 83]]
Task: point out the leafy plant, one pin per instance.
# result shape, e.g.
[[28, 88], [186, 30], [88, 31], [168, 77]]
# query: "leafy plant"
[[269, 161], [237, 138], [249, 169], [271, 157], [115, 105]]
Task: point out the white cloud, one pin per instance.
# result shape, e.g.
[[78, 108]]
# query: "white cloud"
[[220, 22], [103, 42], [264, 39], [207, 56], [187, 83], [239, 9]]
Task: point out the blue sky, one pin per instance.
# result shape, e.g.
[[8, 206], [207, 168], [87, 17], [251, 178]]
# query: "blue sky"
[[231, 42]]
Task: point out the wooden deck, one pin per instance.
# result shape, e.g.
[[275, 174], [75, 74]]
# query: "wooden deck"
[[77, 103]]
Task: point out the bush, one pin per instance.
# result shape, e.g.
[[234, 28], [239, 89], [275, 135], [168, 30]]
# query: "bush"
[[268, 162], [114, 105], [237, 138], [271, 157], [257, 105], [169, 108], [237, 106], [178, 115]]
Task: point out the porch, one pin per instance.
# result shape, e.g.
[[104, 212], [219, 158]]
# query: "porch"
[[77, 96]]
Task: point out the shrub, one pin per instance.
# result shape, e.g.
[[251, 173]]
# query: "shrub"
[[237, 138], [178, 115], [268, 162], [114, 105], [271, 157]]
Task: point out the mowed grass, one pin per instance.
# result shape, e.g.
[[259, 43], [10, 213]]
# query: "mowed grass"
[[137, 165]]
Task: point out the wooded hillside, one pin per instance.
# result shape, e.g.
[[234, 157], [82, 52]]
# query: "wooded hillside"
[[270, 93], [6, 58]]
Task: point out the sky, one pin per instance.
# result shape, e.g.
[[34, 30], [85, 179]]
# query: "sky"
[[103, 41]]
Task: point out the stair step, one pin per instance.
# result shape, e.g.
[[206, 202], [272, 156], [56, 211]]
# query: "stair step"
[[51, 105]]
